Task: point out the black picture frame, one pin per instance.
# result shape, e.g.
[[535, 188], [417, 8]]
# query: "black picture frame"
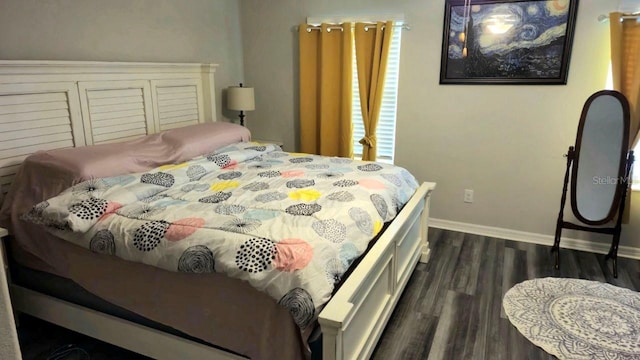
[[510, 42]]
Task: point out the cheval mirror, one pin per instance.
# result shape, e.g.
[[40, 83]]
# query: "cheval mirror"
[[600, 165]]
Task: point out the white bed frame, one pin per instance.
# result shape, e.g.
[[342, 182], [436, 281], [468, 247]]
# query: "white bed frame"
[[47, 105]]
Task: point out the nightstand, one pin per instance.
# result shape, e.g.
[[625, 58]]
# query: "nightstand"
[[9, 339]]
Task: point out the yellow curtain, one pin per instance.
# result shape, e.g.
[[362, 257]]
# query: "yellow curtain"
[[372, 52], [625, 69], [325, 90], [625, 65]]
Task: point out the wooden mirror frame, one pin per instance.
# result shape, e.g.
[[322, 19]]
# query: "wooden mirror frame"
[[622, 187], [623, 158]]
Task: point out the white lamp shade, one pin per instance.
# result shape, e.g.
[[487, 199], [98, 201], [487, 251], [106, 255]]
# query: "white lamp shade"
[[240, 98]]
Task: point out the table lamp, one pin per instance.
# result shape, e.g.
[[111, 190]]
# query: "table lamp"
[[241, 99]]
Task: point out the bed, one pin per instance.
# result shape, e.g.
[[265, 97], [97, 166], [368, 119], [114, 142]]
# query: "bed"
[[72, 104]]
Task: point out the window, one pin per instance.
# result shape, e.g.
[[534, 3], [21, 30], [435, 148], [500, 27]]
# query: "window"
[[386, 132]]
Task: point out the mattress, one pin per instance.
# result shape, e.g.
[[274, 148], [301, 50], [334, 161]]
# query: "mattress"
[[69, 291], [43, 273], [216, 309]]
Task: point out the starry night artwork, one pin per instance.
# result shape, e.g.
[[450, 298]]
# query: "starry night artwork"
[[507, 42]]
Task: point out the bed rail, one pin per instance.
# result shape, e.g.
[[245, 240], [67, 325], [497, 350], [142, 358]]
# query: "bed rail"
[[354, 319]]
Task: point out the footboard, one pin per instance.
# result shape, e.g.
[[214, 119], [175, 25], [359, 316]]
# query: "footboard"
[[354, 319]]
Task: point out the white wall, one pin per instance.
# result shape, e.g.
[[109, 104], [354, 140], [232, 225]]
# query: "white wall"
[[126, 30], [504, 142]]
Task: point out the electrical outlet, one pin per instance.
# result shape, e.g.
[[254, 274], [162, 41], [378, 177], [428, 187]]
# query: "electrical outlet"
[[468, 195]]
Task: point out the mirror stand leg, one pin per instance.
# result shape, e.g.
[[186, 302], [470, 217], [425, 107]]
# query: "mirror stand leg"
[[556, 245], [556, 242], [614, 262], [624, 188], [613, 253]]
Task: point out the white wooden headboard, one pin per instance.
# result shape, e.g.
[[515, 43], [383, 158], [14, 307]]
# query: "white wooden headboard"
[[48, 105]]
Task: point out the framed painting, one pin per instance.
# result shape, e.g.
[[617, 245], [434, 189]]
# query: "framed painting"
[[507, 41]]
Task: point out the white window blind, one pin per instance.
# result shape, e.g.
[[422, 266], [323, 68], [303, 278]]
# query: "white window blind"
[[386, 132]]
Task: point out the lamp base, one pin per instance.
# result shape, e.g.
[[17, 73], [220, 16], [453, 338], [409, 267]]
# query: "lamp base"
[[242, 117]]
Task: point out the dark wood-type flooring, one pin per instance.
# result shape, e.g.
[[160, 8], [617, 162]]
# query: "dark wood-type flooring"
[[451, 307]]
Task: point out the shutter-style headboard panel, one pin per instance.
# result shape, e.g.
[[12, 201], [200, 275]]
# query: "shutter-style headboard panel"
[[116, 110], [178, 103], [36, 117], [47, 105]]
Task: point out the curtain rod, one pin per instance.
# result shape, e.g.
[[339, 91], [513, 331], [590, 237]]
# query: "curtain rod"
[[603, 18], [366, 27]]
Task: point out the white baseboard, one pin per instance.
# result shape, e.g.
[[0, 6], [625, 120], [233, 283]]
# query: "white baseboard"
[[534, 238]]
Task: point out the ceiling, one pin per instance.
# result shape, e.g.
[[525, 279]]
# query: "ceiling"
[[629, 6]]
